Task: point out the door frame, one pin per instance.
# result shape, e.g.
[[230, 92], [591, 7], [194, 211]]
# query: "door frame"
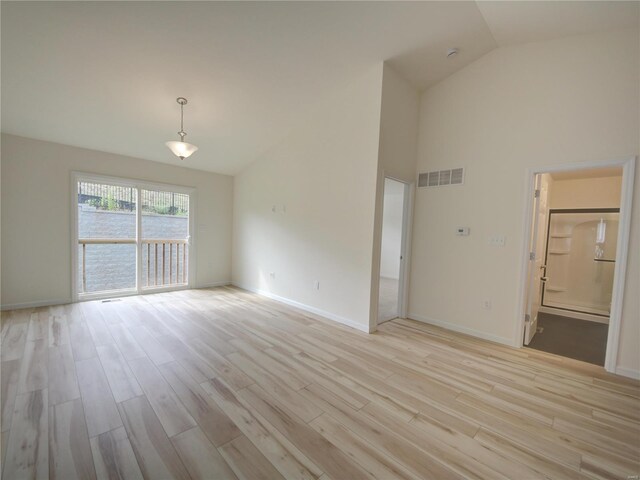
[[405, 249], [532, 273], [77, 176], [626, 198], [405, 246]]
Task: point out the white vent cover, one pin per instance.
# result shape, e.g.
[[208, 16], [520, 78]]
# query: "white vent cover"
[[423, 179], [457, 176], [440, 178]]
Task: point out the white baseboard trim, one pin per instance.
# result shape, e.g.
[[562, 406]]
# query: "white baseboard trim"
[[214, 284], [307, 308], [43, 303], [628, 372], [49, 303], [460, 329]]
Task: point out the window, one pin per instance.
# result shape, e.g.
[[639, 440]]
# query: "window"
[[130, 236]]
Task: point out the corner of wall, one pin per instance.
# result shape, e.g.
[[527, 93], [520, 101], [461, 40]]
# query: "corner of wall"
[[397, 157], [291, 231]]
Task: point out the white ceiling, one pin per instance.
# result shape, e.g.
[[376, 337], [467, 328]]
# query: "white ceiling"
[[514, 22], [105, 75]]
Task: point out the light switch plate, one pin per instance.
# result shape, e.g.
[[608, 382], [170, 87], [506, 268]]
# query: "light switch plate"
[[497, 240]]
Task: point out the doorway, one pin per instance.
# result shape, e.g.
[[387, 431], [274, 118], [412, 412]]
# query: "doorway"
[[576, 256], [129, 237], [392, 252]]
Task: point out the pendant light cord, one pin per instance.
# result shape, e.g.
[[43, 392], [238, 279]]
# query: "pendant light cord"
[[182, 102], [182, 117]]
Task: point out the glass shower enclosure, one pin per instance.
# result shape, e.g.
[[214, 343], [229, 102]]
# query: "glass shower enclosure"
[[580, 260]]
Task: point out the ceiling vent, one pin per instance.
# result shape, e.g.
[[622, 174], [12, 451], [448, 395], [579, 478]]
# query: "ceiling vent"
[[440, 178]]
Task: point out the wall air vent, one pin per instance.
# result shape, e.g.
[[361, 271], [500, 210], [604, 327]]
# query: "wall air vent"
[[423, 180], [440, 178], [457, 176]]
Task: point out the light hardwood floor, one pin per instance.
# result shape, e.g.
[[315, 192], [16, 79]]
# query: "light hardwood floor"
[[223, 384]]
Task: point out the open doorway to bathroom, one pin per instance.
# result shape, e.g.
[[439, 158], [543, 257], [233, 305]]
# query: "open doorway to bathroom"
[[574, 250], [392, 258]]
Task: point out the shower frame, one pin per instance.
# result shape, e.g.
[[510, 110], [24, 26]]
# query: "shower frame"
[[546, 250]]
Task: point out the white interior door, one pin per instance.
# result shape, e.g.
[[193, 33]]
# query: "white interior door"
[[536, 266]]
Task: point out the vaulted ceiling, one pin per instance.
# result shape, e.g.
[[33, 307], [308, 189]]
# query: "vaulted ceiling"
[[105, 75]]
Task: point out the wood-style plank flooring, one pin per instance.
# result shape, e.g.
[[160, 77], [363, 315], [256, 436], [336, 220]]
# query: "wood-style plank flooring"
[[224, 384]]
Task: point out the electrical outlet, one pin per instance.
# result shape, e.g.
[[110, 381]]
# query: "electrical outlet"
[[486, 304], [317, 284]]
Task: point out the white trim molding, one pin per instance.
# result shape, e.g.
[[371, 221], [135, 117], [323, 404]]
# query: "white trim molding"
[[307, 308], [42, 303], [628, 372], [113, 294], [224, 283], [461, 329]]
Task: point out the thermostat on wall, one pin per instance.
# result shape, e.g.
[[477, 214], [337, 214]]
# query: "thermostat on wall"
[[462, 231]]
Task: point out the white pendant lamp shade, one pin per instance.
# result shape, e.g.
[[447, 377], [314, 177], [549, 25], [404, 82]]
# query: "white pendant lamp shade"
[[181, 149]]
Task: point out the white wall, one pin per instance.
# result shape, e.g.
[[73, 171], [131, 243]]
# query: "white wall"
[[391, 229], [398, 127], [396, 159], [600, 192], [322, 181], [36, 212], [568, 100]]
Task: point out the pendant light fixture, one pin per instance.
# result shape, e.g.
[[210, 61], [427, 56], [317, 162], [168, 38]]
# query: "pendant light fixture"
[[181, 149]]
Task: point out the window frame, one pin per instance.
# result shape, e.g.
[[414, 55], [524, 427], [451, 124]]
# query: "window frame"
[[138, 185]]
